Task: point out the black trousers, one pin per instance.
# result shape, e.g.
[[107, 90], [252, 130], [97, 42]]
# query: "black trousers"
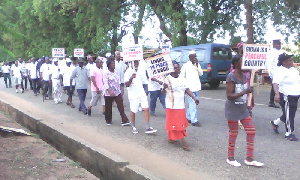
[[272, 95], [25, 82], [288, 104], [108, 108], [47, 88], [34, 85]]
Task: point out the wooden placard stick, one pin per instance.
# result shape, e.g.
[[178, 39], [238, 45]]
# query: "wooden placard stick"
[[251, 84]]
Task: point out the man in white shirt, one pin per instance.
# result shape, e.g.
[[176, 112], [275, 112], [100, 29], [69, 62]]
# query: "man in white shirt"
[[56, 79], [136, 95], [120, 68], [191, 72], [24, 73], [17, 74], [6, 73], [33, 75], [154, 87], [45, 72], [272, 67], [28, 65], [90, 65], [66, 73]]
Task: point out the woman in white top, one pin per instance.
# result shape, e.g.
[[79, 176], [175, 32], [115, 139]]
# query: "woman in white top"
[[176, 122], [286, 83]]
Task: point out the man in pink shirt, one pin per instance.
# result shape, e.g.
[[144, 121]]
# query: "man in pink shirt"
[[96, 86]]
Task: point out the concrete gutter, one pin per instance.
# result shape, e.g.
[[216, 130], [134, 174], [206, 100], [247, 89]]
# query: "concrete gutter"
[[98, 161]]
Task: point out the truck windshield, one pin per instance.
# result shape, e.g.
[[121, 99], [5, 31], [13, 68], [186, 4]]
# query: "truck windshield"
[[221, 53]]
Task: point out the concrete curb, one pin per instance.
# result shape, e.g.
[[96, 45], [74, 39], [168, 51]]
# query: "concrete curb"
[[98, 161]]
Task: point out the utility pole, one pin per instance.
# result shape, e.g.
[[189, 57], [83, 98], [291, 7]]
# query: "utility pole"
[[249, 21]]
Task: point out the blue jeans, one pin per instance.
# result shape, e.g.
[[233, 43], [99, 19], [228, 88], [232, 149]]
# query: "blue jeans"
[[191, 112], [81, 95], [153, 98]]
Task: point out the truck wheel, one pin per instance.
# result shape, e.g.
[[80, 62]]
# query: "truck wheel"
[[214, 84]]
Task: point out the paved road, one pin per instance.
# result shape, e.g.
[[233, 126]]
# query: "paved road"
[[208, 143]]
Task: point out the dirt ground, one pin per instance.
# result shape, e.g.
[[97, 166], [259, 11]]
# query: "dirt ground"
[[29, 157]]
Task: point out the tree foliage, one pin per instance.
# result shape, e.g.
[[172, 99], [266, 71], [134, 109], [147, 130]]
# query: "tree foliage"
[[33, 27]]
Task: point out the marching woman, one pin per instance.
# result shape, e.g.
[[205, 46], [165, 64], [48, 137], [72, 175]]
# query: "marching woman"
[[236, 109], [286, 83], [176, 122]]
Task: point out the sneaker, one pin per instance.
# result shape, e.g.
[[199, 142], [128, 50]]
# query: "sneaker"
[[17, 91], [291, 137], [125, 123], [150, 130], [274, 105], [22, 91], [233, 163], [197, 124], [275, 127], [56, 102], [108, 124], [135, 130], [254, 163], [89, 112]]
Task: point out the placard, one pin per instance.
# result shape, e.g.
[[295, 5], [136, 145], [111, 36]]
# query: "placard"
[[58, 52], [159, 65], [79, 52], [165, 48], [131, 53], [255, 56]]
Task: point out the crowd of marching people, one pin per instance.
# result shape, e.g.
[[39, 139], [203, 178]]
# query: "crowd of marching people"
[[108, 78]]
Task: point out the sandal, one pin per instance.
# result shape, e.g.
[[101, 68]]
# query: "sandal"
[[72, 106], [233, 163], [68, 103], [186, 148], [254, 163], [171, 141]]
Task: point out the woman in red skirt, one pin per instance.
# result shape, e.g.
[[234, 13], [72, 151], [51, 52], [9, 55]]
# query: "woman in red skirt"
[[176, 122]]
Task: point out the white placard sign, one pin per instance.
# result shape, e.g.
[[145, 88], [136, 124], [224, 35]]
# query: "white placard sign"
[[134, 52], [165, 48], [255, 56], [58, 52], [79, 52], [159, 65]]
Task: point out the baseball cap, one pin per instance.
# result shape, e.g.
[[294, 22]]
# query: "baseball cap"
[[55, 60], [69, 60], [282, 57]]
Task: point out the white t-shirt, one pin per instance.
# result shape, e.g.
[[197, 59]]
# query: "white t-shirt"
[[66, 73], [33, 71], [272, 61], [90, 67], [288, 80], [175, 92], [135, 90], [5, 69], [46, 71], [153, 85], [120, 68], [55, 71], [143, 66], [23, 68], [191, 73], [16, 71]]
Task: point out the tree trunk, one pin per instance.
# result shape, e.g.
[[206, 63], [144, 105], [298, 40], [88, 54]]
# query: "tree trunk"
[[249, 21]]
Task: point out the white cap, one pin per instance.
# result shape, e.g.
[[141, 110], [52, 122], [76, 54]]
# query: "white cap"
[[192, 52], [108, 54], [68, 60], [54, 59]]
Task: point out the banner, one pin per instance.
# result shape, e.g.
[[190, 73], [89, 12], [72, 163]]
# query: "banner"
[[58, 52], [255, 56], [159, 65], [134, 52], [79, 52]]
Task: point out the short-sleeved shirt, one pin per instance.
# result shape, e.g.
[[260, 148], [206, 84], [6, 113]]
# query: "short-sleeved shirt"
[[237, 109], [98, 74], [288, 80], [55, 71], [5, 69], [33, 71], [111, 83], [91, 67], [120, 67], [135, 90], [46, 71], [175, 92], [81, 74], [23, 68], [16, 70], [66, 72]]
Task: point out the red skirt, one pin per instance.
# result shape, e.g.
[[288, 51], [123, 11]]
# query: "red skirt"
[[176, 123]]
